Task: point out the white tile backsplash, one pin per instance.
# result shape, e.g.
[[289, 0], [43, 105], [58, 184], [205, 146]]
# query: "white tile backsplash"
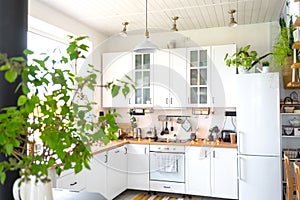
[[200, 123]]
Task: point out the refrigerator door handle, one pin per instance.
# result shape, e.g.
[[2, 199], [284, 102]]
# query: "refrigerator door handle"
[[239, 137], [239, 169]]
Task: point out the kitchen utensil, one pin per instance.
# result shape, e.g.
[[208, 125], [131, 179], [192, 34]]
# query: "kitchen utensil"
[[193, 136], [172, 125], [186, 125], [166, 129], [162, 128], [295, 122], [179, 120]]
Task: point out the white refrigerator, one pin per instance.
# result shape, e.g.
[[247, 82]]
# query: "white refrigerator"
[[259, 140]]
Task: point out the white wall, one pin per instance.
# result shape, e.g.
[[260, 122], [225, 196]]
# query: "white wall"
[[259, 36], [38, 10]]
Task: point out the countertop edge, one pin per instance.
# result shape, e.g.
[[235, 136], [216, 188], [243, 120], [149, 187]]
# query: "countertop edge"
[[116, 144]]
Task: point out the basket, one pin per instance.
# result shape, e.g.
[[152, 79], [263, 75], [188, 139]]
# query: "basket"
[[289, 109], [291, 153]]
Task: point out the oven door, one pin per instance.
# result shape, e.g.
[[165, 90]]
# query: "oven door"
[[167, 167]]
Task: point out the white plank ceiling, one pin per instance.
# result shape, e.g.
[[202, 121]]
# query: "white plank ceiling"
[[106, 16]]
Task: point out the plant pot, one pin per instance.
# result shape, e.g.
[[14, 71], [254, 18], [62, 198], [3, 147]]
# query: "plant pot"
[[32, 190], [244, 70], [287, 71]]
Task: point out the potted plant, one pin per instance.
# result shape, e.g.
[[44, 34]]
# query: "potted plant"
[[52, 124], [283, 46], [282, 50], [243, 59]]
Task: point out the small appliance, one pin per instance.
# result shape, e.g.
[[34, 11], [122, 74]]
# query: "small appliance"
[[225, 134]]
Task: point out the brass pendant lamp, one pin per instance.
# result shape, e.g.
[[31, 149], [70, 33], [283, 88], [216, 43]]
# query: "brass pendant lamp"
[[232, 22], [146, 46]]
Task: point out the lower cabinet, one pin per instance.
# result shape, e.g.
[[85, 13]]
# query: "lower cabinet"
[[97, 176], [108, 174], [198, 171], [212, 172], [69, 180], [116, 179], [138, 166]]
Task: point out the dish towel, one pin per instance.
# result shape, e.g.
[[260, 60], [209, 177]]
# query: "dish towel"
[[167, 162]]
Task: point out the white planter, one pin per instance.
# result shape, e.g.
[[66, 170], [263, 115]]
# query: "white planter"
[[32, 190], [244, 70], [296, 34]]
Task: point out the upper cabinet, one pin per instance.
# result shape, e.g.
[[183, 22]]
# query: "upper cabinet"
[[198, 76], [170, 78], [143, 77], [222, 77], [139, 67], [173, 78], [116, 66]]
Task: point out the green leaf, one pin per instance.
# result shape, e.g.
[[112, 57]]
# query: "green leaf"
[[115, 90], [125, 90], [27, 52], [2, 177], [22, 100], [4, 68], [11, 76], [8, 148]]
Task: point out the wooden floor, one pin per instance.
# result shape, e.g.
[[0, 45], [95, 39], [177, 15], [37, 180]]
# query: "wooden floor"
[[130, 194]]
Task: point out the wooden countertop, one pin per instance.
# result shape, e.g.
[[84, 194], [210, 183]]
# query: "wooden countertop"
[[115, 144]]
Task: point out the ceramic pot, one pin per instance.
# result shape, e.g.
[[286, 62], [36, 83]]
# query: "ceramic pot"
[[244, 70], [32, 190]]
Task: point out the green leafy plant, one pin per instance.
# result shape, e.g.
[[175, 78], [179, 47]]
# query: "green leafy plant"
[[244, 57], [52, 123], [265, 63], [284, 43]]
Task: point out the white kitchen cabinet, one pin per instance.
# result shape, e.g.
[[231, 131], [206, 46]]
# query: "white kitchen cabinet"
[[116, 171], [138, 166], [198, 171], [222, 77], [224, 181], [116, 66], [212, 172], [97, 176], [69, 180], [198, 76], [143, 77], [170, 78]]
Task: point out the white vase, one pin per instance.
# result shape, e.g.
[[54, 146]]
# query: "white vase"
[[32, 190], [243, 70]]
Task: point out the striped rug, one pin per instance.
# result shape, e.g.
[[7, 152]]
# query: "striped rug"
[[155, 197]]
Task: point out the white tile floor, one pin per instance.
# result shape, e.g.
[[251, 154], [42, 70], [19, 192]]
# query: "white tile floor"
[[130, 194]]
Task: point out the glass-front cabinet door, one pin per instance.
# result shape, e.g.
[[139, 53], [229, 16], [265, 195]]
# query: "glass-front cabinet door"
[[199, 76], [143, 75]]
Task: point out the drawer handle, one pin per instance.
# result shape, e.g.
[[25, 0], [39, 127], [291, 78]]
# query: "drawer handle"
[[72, 184], [167, 187]]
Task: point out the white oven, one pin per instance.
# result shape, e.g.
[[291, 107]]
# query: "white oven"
[[167, 163]]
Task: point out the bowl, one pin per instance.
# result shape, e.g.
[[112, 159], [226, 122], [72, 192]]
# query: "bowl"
[[295, 122], [288, 130]]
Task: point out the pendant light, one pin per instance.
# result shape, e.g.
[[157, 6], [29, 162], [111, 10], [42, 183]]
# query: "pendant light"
[[174, 27], [232, 22], [146, 46], [123, 33]]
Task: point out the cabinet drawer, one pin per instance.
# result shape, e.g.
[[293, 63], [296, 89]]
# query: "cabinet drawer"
[[169, 187], [72, 182]]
